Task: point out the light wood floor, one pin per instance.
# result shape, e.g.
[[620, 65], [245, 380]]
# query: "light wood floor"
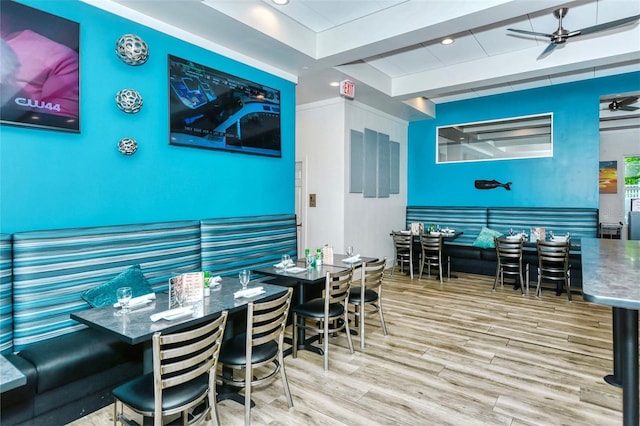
[[456, 354]]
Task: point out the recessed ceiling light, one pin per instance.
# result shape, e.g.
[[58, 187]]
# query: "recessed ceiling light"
[[280, 2], [334, 84], [447, 41]]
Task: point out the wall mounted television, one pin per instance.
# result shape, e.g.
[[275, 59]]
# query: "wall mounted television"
[[214, 110]]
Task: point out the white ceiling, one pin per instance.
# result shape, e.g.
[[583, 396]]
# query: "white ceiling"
[[391, 48]]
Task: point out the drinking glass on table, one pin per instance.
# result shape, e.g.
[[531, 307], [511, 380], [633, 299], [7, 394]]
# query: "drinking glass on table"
[[286, 261], [244, 276], [349, 250], [124, 294]]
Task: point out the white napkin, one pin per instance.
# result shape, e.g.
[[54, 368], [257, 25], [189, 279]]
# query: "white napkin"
[[352, 259], [140, 300], [171, 313], [248, 292], [281, 265], [214, 281]]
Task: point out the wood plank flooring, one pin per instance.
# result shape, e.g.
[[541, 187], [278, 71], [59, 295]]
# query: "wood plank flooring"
[[456, 354]]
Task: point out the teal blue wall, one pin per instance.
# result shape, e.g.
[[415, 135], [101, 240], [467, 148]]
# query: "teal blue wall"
[[568, 179], [51, 179]]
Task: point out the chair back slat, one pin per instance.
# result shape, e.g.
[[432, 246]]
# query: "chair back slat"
[[268, 319]]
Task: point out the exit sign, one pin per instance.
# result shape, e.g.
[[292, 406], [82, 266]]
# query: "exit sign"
[[348, 89]]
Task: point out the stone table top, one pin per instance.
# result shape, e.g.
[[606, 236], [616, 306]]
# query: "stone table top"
[[611, 272], [10, 376]]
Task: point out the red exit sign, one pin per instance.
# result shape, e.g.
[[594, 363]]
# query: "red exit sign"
[[348, 89]]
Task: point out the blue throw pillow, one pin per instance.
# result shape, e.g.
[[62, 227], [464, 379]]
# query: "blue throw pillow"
[[105, 294], [485, 238]]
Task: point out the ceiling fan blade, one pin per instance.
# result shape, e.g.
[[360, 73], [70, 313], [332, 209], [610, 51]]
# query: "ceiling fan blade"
[[605, 26], [548, 50], [533, 33], [629, 108]]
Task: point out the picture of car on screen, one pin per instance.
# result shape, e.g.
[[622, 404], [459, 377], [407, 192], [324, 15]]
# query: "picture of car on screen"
[[214, 110]]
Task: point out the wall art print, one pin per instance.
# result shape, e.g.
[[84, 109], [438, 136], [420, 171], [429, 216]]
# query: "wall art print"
[[39, 69], [608, 177]]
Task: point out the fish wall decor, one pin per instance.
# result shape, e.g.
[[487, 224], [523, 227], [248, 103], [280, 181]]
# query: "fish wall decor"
[[491, 184]]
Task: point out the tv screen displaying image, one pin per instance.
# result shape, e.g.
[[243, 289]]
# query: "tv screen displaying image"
[[39, 69], [215, 110]]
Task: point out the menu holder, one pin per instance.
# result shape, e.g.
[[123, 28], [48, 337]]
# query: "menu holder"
[[327, 255], [417, 228], [186, 289], [537, 234]]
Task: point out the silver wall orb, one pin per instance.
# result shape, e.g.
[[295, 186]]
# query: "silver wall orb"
[[132, 49], [127, 146], [129, 101]]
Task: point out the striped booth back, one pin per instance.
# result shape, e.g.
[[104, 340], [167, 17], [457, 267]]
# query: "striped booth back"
[[469, 220], [580, 222], [51, 269], [6, 303], [232, 244]]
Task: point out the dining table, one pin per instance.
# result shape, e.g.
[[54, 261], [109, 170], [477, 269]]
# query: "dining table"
[[136, 326], [303, 277], [611, 276]]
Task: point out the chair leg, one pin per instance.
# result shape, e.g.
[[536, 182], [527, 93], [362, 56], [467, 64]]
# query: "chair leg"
[[285, 382], [115, 412], [347, 328], [440, 269], [294, 349], [421, 268], [325, 345], [495, 281], [213, 408], [527, 280], [361, 314], [538, 286], [248, 377], [568, 285], [382, 323]]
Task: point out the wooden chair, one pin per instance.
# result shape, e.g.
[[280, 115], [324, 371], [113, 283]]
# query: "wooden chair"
[[553, 264], [368, 293], [326, 315], [258, 351], [509, 262], [183, 377], [403, 248], [431, 254]]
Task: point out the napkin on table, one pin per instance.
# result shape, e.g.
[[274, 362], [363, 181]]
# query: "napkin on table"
[[248, 292], [214, 281], [352, 259], [140, 300], [281, 265], [171, 312]]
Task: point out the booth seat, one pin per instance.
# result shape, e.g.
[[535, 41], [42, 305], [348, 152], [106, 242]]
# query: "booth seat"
[[70, 368], [465, 257]]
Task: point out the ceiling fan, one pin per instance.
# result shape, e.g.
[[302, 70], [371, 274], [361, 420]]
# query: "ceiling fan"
[[623, 104], [560, 36]]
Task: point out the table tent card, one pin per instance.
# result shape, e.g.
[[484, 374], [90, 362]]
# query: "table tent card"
[[186, 289]]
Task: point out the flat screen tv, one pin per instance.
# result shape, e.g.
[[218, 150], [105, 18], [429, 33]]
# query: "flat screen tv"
[[214, 110]]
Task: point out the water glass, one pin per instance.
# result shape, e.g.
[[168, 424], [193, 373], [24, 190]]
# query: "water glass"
[[124, 294], [286, 261], [244, 276], [349, 250]]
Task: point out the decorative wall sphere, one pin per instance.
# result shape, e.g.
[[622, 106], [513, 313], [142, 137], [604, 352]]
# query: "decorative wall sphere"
[[127, 146], [129, 101], [132, 49]]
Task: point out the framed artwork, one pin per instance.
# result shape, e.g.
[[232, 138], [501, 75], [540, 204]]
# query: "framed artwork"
[[608, 177], [40, 69]]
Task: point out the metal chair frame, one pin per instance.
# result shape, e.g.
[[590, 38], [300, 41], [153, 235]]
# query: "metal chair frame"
[[178, 359], [509, 262], [335, 298], [403, 248], [266, 323], [368, 293], [431, 255], [553, 264]]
